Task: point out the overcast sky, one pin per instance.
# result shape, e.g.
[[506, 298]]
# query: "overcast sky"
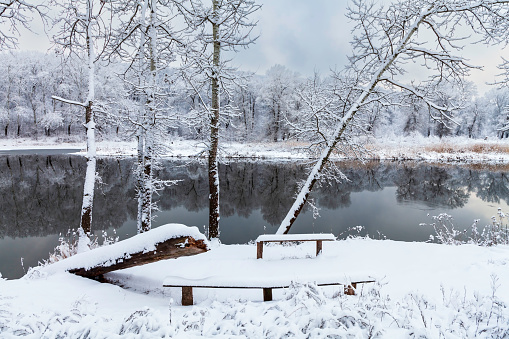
[[305, 35]]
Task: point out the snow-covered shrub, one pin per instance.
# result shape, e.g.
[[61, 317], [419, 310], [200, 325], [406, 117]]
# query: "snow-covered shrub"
[[69, 245], [493, 234]]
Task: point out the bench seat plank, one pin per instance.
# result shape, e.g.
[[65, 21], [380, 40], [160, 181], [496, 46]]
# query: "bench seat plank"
[[296, 237], [267, 284]]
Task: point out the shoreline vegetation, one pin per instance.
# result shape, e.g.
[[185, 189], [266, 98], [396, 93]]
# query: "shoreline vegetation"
[[433, 150]]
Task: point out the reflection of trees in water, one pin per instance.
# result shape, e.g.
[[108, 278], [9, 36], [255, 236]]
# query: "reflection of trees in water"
[[42, 194], [433, 186]]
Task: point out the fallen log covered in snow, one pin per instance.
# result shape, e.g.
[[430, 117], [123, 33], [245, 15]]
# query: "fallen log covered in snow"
[[164, 242]]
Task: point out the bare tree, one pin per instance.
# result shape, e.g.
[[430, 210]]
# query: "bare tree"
[[14, 13], [387, 38], [224, 26], [82, 27], [147, 41]]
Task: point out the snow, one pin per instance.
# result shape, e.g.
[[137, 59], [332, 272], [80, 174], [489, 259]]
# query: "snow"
[[424, 289], [295, 237], [107, 255], [391, 148]]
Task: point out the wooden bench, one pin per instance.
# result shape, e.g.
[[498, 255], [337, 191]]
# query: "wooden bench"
[[266, 284], [319, 238]]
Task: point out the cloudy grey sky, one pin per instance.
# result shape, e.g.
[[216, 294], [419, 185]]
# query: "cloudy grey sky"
[[306, 35]]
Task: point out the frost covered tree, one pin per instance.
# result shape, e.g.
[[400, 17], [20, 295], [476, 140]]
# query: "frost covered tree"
[[278, 95], [148, 42], [388, 38], [15, 13], [83, 29], [219, 26]]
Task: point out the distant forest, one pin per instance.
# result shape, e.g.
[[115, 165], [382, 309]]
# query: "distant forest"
[[261, 107]]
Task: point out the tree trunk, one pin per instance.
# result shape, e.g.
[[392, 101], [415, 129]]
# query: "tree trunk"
[[214, 134], [88, 189], [168, 249]]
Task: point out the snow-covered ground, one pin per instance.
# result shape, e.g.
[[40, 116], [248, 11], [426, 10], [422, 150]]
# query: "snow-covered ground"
[[454, 150], [424, 291]]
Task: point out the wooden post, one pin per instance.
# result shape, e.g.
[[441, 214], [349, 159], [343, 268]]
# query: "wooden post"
[[187, 295], [350, 289], [259, 250], [318, 247], [267, 294]]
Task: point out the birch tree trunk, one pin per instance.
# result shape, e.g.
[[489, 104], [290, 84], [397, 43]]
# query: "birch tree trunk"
[[214, 131], [88, 189]]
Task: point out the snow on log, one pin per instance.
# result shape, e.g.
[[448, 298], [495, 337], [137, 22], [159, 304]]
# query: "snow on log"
[[164, 242]]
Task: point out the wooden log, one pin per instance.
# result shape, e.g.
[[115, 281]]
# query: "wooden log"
[[171, 248]]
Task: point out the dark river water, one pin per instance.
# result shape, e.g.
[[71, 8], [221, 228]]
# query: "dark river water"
[[41, 199]]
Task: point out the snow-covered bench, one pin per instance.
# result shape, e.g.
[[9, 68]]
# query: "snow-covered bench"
[[319, 238], [349, 282]]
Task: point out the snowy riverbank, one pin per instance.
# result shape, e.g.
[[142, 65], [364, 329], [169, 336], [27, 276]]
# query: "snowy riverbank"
[[424, 289], [433, 150]]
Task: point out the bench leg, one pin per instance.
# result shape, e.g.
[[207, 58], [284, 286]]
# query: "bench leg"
[[318, 246], [187, 296], [350, 289], [259, 250], [267, 294]]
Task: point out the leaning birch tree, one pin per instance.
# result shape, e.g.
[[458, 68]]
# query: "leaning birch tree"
[[82, 27], [386, 39], [220, 26]]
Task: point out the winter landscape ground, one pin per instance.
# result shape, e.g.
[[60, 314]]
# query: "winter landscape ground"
[[403, 85], [423, 290]]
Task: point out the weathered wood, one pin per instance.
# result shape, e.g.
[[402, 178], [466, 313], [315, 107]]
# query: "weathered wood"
[[318, 247], [267, 294], [351, 288], [169, 249], [259, 250], [187, 295]]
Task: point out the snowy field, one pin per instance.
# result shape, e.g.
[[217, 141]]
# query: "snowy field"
[[432, 149], [424, 291]]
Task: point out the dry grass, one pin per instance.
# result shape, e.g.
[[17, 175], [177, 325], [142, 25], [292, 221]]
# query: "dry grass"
[[481, 148]]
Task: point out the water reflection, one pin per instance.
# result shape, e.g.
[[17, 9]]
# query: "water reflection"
[[41, 197]]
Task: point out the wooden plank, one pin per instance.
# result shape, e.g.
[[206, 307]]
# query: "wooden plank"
[[171, 248], [296, 237], [187, 295], [318, 247], [267, 294], [259, 250], [350, 289]]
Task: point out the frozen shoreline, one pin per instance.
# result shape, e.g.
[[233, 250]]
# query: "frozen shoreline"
[[431, 150]]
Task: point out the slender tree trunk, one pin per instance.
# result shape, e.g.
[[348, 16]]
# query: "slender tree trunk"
[[214, 133], [320, 165], [88, 189]]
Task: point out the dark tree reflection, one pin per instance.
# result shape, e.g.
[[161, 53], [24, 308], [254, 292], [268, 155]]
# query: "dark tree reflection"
[[41, 195]]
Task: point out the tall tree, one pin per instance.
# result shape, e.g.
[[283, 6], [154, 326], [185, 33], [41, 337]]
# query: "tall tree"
[[148, 42], [222, 26], [386, 39], [83, 29]]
